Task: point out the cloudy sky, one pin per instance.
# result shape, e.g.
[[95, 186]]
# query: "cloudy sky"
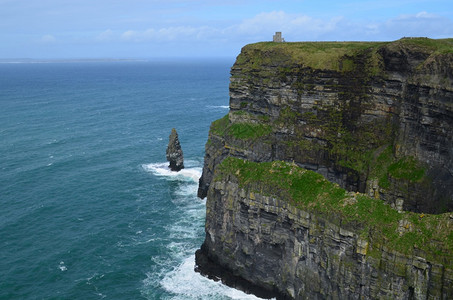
[[204, 28]]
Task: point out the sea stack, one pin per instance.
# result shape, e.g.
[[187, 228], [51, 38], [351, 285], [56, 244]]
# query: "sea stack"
[[174, 152]]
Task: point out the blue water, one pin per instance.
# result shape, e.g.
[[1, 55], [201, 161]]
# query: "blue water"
[[89, 209]]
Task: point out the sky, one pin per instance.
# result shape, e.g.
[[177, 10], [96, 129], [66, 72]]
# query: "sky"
[[65, 29]]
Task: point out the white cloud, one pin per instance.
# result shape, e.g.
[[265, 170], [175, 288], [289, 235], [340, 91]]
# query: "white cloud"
[[129, 35], [48, 38], [295, 27], [420, 24], [299, 27], [170, 34], [105, 35]]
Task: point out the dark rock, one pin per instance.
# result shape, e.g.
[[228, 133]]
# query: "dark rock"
[[209, 268], [174, 152]]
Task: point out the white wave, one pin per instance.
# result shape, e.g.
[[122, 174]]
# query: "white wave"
[[62, 267], [191, 163], [218, 106], [162, 169], [182, 282], [182, 231], [188, 284], [188, 190]]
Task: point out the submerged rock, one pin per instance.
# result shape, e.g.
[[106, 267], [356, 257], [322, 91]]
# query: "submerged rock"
[[174, 152]]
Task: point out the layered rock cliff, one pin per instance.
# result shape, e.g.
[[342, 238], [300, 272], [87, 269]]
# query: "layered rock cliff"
[[296, 235], [373, 117], [375, 120]]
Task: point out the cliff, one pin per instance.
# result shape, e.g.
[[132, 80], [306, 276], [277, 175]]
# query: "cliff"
[[370, 124], [297, 235], [373, 117]]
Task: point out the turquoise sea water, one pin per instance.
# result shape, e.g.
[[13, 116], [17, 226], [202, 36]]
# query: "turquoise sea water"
[[89, 209]]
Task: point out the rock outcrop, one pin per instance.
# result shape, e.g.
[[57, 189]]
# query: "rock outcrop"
[[374, 119], [174, 152]]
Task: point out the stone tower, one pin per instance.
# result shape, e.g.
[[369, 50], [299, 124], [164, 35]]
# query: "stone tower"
[[278, 37]]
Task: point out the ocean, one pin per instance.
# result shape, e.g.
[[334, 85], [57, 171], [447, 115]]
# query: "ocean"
[[89, 209]]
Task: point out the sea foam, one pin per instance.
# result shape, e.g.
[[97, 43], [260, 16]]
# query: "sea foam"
[[182, 281], [162, 169], [187, 284], [219, 106]]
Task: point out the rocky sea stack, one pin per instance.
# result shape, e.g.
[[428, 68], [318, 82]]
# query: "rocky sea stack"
[[332, 175], [174, 152]]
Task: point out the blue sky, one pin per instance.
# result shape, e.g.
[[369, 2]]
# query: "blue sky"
[[203, 28]]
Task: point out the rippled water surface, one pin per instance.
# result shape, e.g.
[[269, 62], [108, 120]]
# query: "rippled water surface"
[[89, 209]]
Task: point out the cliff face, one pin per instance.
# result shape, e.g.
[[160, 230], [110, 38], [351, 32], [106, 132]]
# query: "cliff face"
[[375, 120], [373, 117], [321, 248]]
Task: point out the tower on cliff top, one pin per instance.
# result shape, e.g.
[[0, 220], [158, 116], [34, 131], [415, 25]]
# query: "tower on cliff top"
[[278, 37]]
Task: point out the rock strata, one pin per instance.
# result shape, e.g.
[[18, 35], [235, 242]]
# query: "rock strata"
[[174, 152], [374, 119], [293, 253]]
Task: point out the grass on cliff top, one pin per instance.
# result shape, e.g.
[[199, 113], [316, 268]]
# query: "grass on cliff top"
[[316, 55], [377, 222], [438, 46], [330, 55]]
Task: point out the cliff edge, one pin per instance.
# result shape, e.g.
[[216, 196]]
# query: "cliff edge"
[[332, 174]]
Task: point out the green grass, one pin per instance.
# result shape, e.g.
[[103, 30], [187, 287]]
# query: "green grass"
[[386, 166], [218, 127], [371, 218], [407, 168], [336, 56], [243, 131], [380, 167], [438, 46], [316, 55]]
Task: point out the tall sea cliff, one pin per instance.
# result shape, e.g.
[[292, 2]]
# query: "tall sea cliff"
[[331, 176]]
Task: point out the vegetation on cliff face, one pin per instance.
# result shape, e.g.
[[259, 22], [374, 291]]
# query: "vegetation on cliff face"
[[339, 105], [366, 150], [377, 222], [242, 130]]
